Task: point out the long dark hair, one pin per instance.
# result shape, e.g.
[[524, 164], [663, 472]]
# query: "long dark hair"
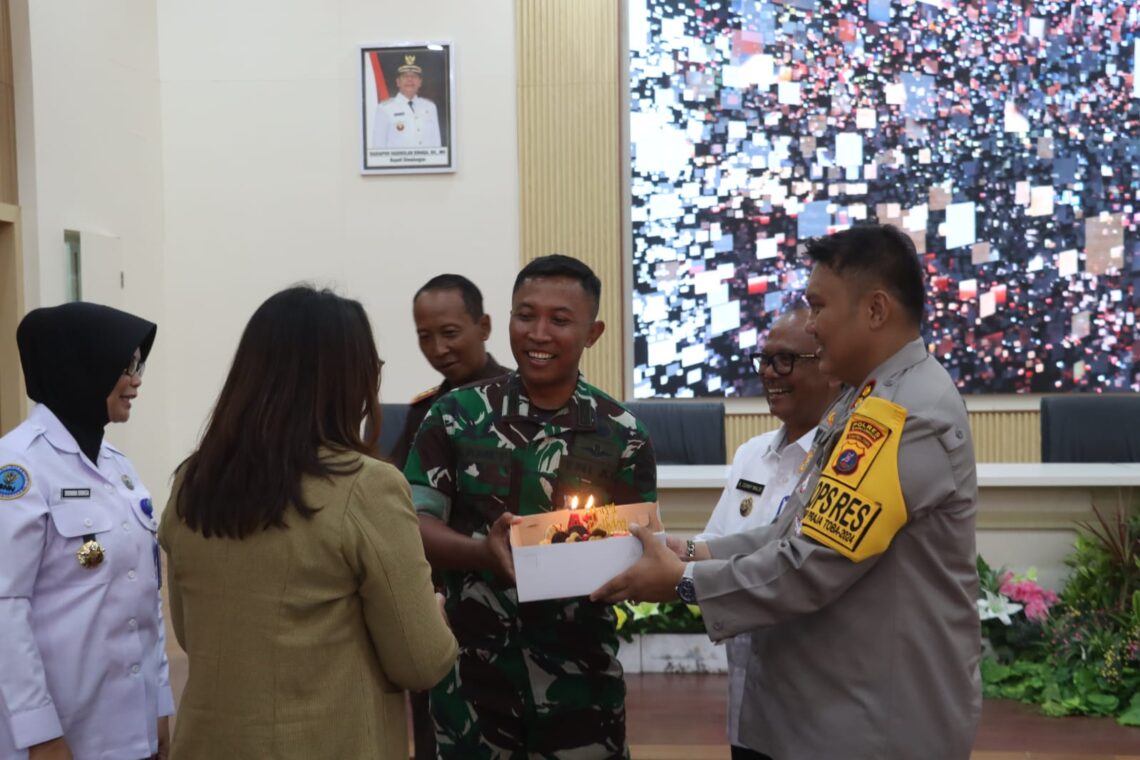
[[305, 375]]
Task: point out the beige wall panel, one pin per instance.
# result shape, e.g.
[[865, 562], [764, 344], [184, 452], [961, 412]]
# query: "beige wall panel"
[[7, 111], [1007, 436], [13, 404], [738, 428], [569, 153], [998, 436]]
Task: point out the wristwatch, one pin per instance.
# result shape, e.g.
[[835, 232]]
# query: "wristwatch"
[[687, 591]]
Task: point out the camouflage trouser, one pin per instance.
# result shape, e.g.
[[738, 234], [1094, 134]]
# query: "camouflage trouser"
[[519, 704]]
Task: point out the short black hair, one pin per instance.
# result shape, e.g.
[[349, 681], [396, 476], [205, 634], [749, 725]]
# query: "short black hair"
[[557, 265], [880, 252], [472, 298]]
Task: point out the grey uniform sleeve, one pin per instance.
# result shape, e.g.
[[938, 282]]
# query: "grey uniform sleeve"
[[745, 542]]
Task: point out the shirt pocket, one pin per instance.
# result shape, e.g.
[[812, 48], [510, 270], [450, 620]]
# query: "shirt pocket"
[[75, 522], [483, 483]]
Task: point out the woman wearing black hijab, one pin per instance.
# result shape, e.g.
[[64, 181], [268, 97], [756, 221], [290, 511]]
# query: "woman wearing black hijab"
[[83, 669]]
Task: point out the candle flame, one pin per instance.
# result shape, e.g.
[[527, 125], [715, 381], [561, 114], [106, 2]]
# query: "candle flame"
[[573, 502], [590, 503]]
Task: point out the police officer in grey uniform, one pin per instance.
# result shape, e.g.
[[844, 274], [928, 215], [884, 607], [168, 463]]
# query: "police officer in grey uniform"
[[861, 596]]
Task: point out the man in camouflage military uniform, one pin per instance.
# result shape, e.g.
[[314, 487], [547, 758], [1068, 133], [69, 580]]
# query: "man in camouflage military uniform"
[[452, 330], [539, 679]]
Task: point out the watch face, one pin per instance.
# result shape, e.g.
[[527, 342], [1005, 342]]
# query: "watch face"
[[687, 591]]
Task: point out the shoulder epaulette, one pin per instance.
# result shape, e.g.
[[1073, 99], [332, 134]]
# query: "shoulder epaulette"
[[426, 394]]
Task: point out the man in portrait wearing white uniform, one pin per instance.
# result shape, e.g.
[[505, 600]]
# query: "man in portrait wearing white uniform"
[[766, 468], [406, 120]]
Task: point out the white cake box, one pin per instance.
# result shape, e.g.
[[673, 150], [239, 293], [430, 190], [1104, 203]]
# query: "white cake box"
[[559, 571]]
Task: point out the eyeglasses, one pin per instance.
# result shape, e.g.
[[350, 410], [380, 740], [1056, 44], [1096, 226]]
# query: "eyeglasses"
[[135, 368], [781, 362]]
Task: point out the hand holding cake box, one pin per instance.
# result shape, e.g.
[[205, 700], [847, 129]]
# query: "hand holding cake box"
[[571, 552]]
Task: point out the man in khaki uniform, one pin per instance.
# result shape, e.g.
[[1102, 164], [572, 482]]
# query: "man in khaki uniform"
[[861, 596]]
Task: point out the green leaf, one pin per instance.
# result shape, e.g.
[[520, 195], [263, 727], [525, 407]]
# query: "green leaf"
[[1105, 703], [1131, 716], [994, 672], [1013, 691], [645, 610]]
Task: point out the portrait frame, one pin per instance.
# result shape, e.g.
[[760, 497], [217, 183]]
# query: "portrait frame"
[[396, 137]]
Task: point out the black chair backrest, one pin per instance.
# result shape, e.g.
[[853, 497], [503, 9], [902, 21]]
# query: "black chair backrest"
[[1090, 427], [683, 432], [391, 426]]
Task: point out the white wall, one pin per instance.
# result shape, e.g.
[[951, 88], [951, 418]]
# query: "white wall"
[[260, 131], [217, 141], [90, 158]]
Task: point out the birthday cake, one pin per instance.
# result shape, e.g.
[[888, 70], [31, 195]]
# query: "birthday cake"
[[589, 524], [571, 552]]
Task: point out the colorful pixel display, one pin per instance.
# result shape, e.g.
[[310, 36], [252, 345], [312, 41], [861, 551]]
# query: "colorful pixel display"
[[1003, 137]]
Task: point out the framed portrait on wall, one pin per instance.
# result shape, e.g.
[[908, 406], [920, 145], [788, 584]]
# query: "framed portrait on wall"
[[406, 94]]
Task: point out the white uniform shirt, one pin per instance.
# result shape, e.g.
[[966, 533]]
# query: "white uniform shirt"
[[401, 123], [761, 461], [84, 651]]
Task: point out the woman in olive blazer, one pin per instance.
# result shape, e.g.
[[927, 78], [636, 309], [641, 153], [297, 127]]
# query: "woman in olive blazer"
[[298, 584]]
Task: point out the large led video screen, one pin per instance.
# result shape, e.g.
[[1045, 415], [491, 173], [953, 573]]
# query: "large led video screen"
[[1003, 137]]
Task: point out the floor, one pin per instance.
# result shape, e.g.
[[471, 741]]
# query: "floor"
[[682, 717], [662, 726]]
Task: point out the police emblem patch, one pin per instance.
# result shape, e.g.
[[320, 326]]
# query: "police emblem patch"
[[14, 481], [847, 462]]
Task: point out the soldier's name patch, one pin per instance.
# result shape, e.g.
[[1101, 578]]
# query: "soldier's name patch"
[[14, 481], [75, 493], [750, 486]]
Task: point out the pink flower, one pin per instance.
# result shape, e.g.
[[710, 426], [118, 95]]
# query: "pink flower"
[[1036, 610], [1033, 596]]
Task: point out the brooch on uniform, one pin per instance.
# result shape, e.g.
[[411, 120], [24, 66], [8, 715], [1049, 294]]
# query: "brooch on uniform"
[[130, 484], [91, 554], [746, 506], [399, 126]]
